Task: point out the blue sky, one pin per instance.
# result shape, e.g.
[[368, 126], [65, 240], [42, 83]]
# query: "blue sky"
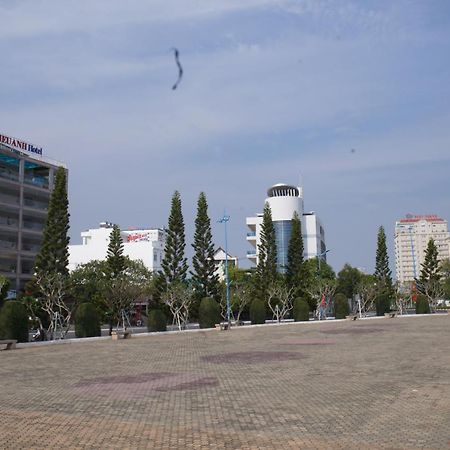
[[272, 90]]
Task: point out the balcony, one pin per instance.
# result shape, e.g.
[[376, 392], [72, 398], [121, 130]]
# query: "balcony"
[[251, 254]]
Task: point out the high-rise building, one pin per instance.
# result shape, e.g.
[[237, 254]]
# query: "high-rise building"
[[412, 235], [146, 245], [284, 200], [26, 182]]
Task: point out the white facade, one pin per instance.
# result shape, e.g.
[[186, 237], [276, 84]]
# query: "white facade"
[[412, 235], [284, 200], [220, 258], [146, 245]]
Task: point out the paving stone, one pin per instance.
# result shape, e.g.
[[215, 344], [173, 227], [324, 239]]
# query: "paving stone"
[[375, 384]]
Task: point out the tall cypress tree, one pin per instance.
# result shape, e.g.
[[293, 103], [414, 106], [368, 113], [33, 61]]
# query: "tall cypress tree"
[[430, 267], [114, 258], [53, 257], [174, 265], [295, 253], [206, 282], [382, 272], [266, 271]]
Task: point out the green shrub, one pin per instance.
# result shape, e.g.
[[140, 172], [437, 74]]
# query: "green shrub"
[[383, 304], [422, 305], [14, 321], [301, 310], [257, 311], [208, 313], [157, 321], [87, 321], [341, 308]]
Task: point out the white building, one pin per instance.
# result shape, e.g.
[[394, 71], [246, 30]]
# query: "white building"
[[412, 235], [144, 244], [284, 200], [220, 258]]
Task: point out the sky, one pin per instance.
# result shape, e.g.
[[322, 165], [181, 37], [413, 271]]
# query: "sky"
[[351, 97]]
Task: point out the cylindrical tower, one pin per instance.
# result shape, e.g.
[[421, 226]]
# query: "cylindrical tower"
[[284, 200]]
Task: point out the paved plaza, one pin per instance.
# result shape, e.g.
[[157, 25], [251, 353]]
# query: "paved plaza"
[[365, 384]]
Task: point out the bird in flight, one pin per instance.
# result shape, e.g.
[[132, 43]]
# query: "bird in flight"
[[180, 69]]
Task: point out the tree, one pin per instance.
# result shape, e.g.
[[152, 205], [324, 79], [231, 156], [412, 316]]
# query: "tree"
[[347, 280], [295, 255], [88, 284], [204, 278], [50, 270], [114, 257], [178, 297], [174, 265], [209, 313], [54, 254], [367, 292], [341, 308], [87, 321], [430, 267], [14, 321], [4, 287], [124, 289], [280, 300], [382, 272], [266, 271], [257, 312], [301, 310]]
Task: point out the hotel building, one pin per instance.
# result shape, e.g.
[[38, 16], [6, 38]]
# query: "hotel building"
[[284, 200], [144, 244], [412, 235], [26, 182]]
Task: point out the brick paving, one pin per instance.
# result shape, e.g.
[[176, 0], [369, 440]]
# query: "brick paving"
[[375, 384]]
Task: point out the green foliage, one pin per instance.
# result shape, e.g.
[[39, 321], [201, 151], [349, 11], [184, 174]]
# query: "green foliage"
[[174, 265], [87, 321], [382, 272], [341, 308], [295, 255], [14, 321], [157, 320], [89, 281], [115, 259], [348, 279], [430, 267], [422, 305], [4, 287], [204, 280], [54, 254], [383, 303], [266, 271], [301, 310], [209, 313], [257, 311]]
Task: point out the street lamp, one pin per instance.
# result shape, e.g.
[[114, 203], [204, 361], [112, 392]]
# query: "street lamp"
[[225, 220], [319, 257]]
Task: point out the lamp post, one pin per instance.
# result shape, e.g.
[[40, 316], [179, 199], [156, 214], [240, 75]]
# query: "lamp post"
[[225, 220], [319, 257]]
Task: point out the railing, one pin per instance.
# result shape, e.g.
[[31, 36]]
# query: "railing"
[[9, 174], [34, 248], [251, 253], [33, 225], [11, 199], [9, 221], [251, 233], [8, 245], [35, 204], [36, 181]]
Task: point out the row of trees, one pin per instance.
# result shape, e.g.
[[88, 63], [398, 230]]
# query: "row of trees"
[[112, 286]]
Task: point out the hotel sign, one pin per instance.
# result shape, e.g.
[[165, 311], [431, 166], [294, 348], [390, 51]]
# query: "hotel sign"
[[17, 144]]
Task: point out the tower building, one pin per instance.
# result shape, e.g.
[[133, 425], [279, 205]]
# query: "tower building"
[[284, 200], [412, 235], [26, 182]]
